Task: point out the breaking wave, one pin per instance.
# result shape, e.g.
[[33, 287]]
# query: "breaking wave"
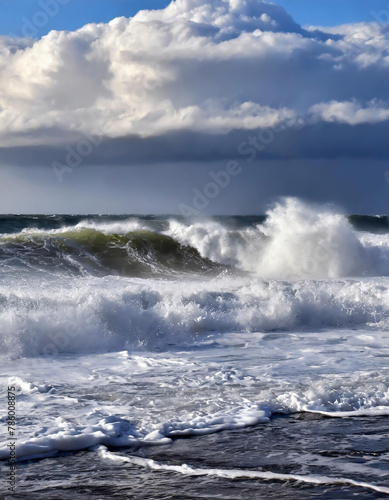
[[98, 285], [294, 241], [114, 313]]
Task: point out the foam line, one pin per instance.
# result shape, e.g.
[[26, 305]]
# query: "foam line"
[[363, 412], [237, 473]]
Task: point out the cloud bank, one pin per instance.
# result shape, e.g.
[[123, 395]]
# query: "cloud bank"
[[197, 74]]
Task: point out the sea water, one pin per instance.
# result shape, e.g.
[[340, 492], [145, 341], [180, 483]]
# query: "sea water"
[[149, 352]]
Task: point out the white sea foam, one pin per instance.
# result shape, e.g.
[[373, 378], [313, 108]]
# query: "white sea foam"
[[361, 394], [122, 399], [107, 227], [115, 431], [118, 227], [112, 313]]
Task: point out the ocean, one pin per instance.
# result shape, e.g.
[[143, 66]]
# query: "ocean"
[[160, 357]]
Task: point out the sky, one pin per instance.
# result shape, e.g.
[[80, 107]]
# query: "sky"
[[200, 107], [17, 15]]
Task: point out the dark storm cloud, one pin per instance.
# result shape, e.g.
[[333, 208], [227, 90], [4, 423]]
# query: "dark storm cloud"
[[321, 140]]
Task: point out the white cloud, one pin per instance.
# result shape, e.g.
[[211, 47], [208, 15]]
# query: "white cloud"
[[197, 65], [350, 112]]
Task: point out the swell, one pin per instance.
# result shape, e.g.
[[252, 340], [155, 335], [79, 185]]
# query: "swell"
[[138, 253]]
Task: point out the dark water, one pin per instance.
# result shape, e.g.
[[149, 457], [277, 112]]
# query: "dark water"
[[16, 223], [302, 444]]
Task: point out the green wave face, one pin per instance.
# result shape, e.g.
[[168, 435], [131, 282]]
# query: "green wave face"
[[138, 253]]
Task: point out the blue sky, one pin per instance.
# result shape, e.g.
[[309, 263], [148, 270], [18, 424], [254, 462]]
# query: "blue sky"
[[72, 15], [16, 15], [332, 12]]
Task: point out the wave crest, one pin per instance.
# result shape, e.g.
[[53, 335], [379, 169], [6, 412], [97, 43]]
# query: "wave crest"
[[139, 253]]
